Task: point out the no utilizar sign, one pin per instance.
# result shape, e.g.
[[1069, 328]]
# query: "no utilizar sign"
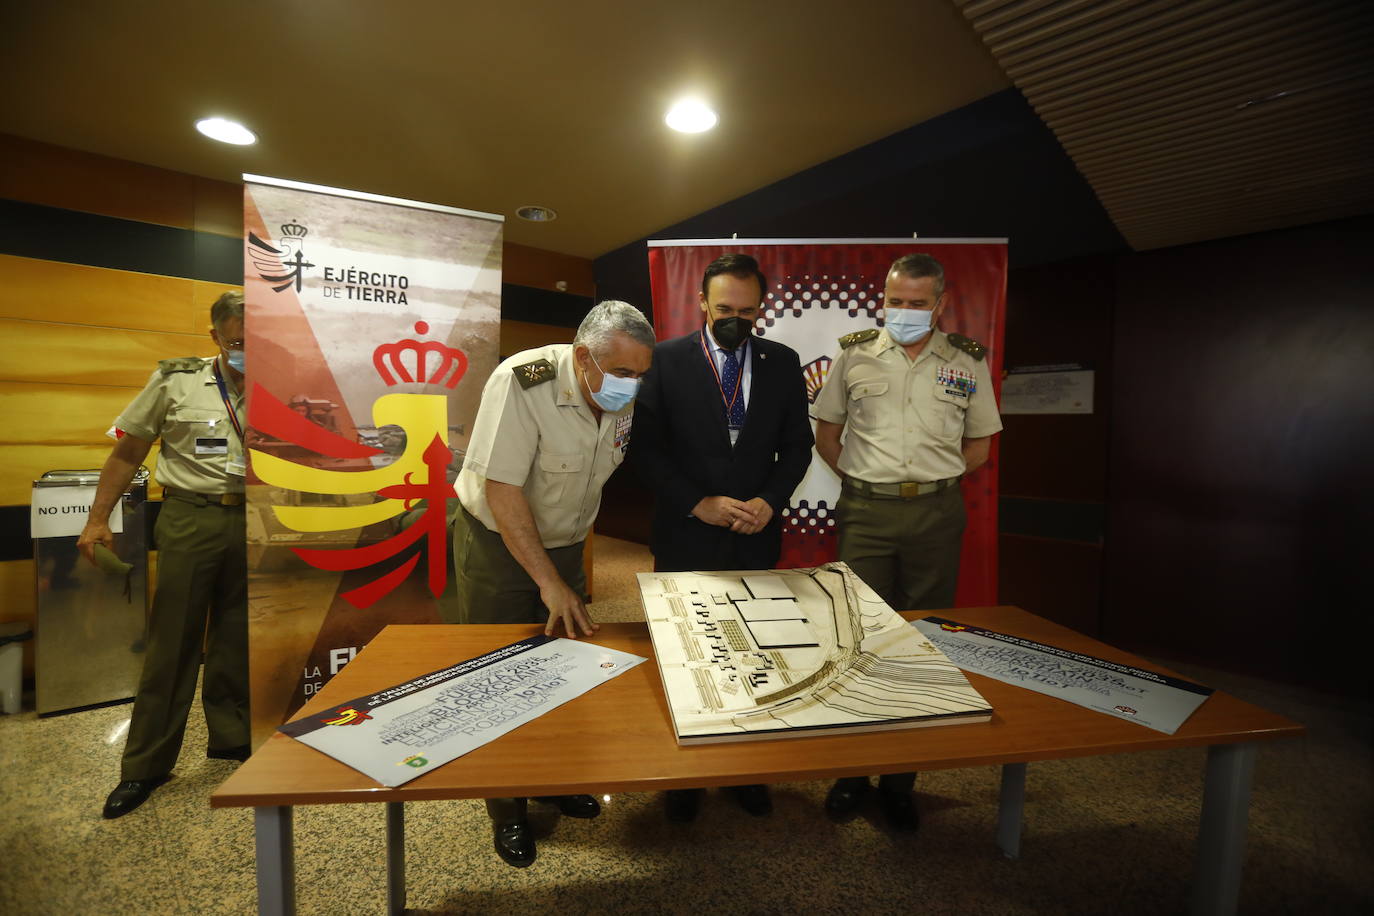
[[60, 512]]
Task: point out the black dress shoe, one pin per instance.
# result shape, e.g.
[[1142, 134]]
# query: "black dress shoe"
[[753, 799], [514, 843], [900, 809], [583, 806], [129, 794], [229, 753], [846, 795], [682, 804]]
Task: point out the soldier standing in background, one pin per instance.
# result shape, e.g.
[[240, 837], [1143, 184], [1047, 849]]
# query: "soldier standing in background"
[[918, 407], [195, 406]]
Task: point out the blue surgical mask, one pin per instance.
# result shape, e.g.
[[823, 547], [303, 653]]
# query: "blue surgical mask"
[[616, 392], [906, 326], [235, 359]]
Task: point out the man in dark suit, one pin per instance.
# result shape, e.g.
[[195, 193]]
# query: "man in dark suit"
[[723, 438]]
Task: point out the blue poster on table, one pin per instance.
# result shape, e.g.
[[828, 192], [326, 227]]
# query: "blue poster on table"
[[405, 731], [1145, 697]]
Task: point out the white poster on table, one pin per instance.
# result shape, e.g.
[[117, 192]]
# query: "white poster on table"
[[405, 731], [1147, 698]]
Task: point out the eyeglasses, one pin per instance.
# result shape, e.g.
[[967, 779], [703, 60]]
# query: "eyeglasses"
[[232, 344]]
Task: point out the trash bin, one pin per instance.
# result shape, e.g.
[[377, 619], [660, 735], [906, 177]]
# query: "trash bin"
[[90, 624], [12, 635]]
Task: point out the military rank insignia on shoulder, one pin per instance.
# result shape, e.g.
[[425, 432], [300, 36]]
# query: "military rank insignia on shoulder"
[[857, 337], [180, 364], [535, 373], [968, 345]]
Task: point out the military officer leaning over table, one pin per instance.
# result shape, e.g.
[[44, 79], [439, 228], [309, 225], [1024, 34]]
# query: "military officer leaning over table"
[[195, 406], [918, 407], [553, 425]]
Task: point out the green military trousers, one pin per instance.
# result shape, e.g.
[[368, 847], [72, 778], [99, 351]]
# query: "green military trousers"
[[491, 584], [493, 587], [906, 550], [201, 581]]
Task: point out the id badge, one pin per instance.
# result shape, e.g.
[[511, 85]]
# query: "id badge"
[[208, 445]]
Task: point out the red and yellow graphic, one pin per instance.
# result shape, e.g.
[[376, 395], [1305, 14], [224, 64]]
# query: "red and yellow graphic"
[[419, 474], [347, 715], [370, 326]]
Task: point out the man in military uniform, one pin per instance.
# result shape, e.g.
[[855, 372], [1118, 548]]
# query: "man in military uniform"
[[920, 414], [553, 425], [195, 406]]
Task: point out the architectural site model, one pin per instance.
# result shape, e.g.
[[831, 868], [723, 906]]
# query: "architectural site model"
[[788, 652]]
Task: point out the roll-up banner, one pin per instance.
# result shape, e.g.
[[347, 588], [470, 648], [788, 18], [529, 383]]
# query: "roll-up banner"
[[819, 290], [371, 325]]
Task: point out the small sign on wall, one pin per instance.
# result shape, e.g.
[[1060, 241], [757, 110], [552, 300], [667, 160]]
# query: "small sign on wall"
[[1058, 388], [61, 512]]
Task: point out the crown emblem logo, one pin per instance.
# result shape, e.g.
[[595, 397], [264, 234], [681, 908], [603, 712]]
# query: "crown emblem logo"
[[391, 362], [284, 266]]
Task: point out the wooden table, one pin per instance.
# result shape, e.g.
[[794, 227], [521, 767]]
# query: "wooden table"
[[619, 738]]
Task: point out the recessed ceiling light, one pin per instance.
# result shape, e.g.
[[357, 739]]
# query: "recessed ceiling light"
[[536, 214], [690, 116], [226, 131]]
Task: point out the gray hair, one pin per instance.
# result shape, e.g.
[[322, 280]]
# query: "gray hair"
[[229, 305], [606, 319], [917, 266]]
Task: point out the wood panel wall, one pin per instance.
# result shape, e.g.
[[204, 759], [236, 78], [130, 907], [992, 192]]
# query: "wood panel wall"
[[81, 336], [1216, 507], [1241, 497], [1053, 483]]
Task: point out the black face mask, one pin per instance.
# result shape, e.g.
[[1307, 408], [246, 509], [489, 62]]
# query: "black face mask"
[[731, 332]]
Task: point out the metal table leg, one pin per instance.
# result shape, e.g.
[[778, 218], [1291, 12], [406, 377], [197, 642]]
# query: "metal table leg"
[[276, 860], [1221, 834], [395, 858], [1010, 802]]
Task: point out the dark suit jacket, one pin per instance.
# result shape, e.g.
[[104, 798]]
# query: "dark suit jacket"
[[681, 448]]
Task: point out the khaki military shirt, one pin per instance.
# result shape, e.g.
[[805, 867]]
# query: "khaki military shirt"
[[545, 439], [906, 418], [181, 405]]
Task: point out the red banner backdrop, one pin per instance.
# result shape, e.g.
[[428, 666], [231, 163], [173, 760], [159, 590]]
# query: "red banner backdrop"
[[820, 289]]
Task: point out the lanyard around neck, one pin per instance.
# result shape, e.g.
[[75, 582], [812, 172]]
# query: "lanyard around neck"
[[715, 371], [228, 407]]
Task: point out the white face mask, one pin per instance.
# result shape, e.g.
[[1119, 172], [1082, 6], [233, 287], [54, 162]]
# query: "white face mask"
[[906, 326], [616, 392]]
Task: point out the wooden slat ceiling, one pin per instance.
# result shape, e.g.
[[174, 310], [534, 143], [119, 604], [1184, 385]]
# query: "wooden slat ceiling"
[[1203, 119]]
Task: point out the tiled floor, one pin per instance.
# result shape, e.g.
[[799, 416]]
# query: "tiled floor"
[[1104, 835]]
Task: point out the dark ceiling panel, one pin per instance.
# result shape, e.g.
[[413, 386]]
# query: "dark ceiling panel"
[[989, 169], [1202, 119]]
